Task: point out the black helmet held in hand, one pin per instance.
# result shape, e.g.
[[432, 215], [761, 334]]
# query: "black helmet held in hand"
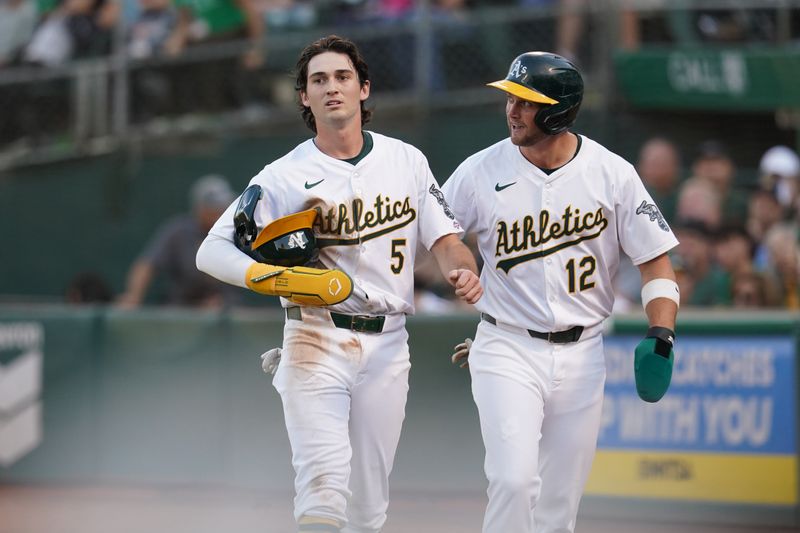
[[287, 241]]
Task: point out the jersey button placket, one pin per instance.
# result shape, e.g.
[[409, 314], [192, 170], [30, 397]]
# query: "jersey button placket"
[[548, 262], [357, 190]]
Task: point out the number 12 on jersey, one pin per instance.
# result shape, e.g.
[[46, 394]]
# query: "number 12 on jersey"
[[581, 276]]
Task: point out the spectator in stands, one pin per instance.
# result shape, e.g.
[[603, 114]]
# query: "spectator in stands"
[[779, 172], [152, 85], [223, 83], [17, 21], [659, 166], [750, 289], [281, 15], [699, 201], [149, 32], [454, 40], [710, 285], [171, 253], [569, 28], [88, 288], [715, 164], [75, 29], [784, 263], [734, 249], [763, 213]]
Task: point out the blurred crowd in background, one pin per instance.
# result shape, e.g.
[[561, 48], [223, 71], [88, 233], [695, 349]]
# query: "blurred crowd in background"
[[187, 56], [739, 236], [54, 32]]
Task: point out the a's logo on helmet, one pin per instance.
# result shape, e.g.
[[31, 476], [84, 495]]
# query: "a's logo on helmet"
[[334, 287], [298, 240], [517, 69]]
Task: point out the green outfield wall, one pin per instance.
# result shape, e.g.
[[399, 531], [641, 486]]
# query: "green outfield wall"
[[177, 397]]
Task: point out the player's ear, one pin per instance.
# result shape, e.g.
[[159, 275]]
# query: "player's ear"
[[304, 99], [365, 90]]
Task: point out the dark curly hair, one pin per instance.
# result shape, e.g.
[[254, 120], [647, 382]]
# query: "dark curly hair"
[[331, 43]]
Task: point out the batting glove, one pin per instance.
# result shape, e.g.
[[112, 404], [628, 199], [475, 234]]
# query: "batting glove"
[[461, 355], [270, 360], [652, 364]]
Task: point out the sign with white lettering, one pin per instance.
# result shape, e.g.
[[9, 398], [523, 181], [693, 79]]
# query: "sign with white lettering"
[[725, 431], [710, 78]]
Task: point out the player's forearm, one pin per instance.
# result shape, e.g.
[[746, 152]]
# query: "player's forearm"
[[452, 254], [661, 311], [221, 259], [138, 281]]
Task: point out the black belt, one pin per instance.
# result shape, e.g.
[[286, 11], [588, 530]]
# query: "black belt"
[[556, 337], [359, 323]]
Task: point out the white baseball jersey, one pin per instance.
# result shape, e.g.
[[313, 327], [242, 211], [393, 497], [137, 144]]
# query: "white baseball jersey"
[[371, 215], [550, 243]]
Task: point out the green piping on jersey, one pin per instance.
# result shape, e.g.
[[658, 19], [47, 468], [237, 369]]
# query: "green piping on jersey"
[[549, 171], [366, 148]]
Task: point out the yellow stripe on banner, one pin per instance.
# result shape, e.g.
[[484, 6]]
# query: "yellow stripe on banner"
[[741, 478]]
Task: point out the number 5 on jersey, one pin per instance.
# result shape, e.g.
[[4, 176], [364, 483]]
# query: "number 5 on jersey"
[[582, 275], [398, 255]]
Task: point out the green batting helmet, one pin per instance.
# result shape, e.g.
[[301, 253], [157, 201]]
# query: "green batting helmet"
[[548, 79]]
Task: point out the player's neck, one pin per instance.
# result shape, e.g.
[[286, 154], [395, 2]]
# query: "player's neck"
[[344, 143], [552, 151]]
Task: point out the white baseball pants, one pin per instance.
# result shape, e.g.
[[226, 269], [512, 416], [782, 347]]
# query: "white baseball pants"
[[539, 406], [344, 396]]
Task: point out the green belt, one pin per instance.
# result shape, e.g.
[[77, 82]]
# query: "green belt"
[[359, 323]]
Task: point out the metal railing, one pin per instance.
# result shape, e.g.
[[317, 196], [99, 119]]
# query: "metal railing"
[[429, 61]]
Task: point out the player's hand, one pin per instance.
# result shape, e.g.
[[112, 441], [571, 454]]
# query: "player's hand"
[[467, 284], [461, 355], [652, 364], [270, 360]]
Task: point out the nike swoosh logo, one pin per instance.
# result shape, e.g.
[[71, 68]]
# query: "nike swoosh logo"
[[310, 185], [499, 187]]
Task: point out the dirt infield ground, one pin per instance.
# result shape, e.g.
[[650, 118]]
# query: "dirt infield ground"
[[95, 509]]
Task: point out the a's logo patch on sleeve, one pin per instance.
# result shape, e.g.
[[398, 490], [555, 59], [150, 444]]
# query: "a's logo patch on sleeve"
[[655, 215]]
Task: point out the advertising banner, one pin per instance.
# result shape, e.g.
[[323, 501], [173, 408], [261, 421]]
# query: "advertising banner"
[[725, 431]]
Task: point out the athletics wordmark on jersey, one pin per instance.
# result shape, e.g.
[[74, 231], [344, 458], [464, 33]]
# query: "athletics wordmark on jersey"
[[385, 216], [522, 235], [655, 215]]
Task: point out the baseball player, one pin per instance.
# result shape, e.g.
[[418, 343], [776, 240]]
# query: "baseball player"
[[551, 210], [343, 370]]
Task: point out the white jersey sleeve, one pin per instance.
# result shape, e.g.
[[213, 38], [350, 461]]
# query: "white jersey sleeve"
[[459, 192], [643, 232], [436, 218], [218, 256]]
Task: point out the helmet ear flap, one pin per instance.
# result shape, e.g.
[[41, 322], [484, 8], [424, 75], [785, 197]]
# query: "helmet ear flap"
[[553, 119], [244, 222]]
